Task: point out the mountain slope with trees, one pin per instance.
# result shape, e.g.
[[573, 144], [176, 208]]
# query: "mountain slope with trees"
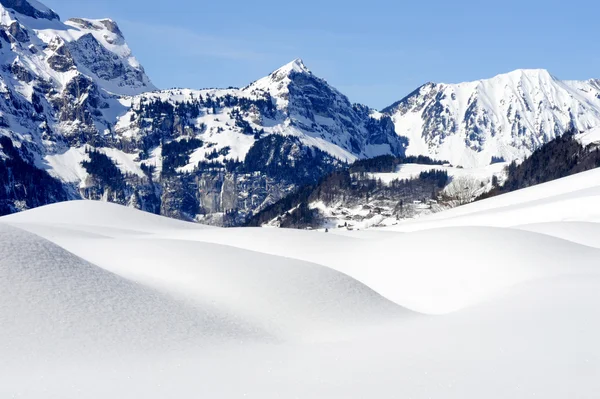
[[564, 156], [353, 195]]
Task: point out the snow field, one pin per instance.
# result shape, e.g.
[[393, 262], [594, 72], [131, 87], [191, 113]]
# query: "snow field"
[[494, 299]]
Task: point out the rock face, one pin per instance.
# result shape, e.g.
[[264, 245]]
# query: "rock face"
[[22, 185], [508, 116], [312, 106], [91, 120]]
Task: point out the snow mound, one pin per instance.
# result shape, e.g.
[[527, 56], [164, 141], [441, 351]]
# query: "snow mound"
[[282, 297], [53, 301], [495, 299], [434, 272], [458, 274], [584, 233], [97, 216]]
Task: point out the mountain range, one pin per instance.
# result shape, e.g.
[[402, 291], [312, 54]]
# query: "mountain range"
[[79, 118], [508, 116]]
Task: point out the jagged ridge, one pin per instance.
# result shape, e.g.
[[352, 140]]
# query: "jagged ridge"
[[507, 116]]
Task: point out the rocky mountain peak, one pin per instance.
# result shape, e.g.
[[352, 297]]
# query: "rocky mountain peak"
[[97, 25], [296, 66], [278, 80]]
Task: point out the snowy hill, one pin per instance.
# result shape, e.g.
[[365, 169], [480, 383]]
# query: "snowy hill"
[[507, 116], [92, 291]]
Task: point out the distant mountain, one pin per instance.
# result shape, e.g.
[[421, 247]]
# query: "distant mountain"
[[320, 112], [79, 107], [60, 85], [79, 118], [508, 116], [290, 102]]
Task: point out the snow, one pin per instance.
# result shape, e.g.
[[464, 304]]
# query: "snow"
[[125, 162], [412, 171], [67, 165], [494, 299], [509, 116], [46, 34], [51, 296], [565, 200], [276, 83], [591, 136], [296, 65]]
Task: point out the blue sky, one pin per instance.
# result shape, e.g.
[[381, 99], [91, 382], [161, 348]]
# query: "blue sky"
[[375, 52]]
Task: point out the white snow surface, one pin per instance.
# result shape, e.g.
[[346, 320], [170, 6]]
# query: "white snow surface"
[[495, 299], [412, 171], [591, 136]]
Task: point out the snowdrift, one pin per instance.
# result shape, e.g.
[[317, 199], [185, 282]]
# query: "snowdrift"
[[495, 299], [53, 301]]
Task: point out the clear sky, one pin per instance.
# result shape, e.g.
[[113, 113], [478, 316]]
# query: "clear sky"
[[374, 51]]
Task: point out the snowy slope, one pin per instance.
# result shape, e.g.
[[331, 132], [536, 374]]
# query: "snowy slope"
[[53, 301], [507, 116], [588, 137], [570, 199], [169, 308], [412, 171]]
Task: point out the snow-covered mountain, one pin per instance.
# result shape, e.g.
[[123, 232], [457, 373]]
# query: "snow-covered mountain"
[[310, 105], [60, 84], [60, 80], [507, 116], [78, 105], [290, 102], [31, 8]]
